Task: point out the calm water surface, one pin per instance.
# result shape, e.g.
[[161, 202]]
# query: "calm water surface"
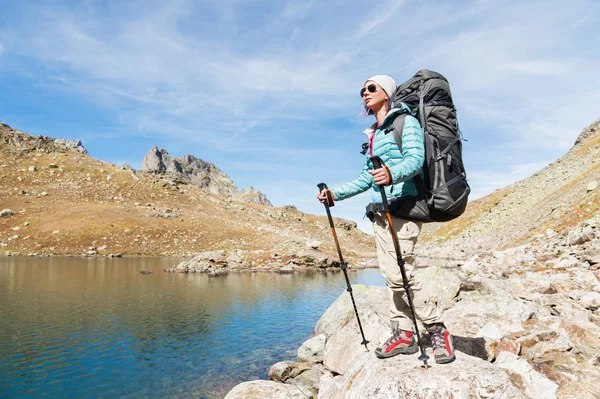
[[91, 328]]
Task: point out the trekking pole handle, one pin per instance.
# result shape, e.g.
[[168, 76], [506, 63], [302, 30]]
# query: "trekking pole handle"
[[323, 186], [377, 164]]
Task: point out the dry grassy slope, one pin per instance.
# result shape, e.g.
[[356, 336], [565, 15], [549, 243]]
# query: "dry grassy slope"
[[556, 197], [90, 203]]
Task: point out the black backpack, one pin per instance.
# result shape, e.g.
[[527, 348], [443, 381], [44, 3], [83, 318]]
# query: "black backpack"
[[443, 188]]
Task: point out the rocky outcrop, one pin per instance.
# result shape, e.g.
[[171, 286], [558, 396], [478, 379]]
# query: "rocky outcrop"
[[525, 323], [251, 195], [25, 143], [189, 170], [196, 172], [217, 263], [75, 145]]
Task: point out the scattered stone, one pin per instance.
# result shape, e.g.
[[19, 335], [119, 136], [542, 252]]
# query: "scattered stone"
[[287, 269], [314, 244], [590, 301], [32, 169], [591, 186], [6, 212]]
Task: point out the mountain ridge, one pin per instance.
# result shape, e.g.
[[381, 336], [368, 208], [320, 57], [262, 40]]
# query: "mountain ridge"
[[59, 201]]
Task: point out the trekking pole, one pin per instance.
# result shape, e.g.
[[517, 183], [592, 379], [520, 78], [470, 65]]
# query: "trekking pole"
[[377, 164], [323, 186]]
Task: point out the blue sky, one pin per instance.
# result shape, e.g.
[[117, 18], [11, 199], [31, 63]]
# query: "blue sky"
[[268, 90]]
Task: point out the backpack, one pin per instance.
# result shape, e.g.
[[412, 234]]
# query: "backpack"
[[442, 185]]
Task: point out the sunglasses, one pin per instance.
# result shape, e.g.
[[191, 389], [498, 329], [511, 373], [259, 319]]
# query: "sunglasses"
[[371, 88]]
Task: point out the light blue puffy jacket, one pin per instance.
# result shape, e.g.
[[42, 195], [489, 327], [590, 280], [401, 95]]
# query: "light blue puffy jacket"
[[403, 165]]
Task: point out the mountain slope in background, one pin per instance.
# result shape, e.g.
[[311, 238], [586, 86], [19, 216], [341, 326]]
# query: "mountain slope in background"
[[559, 196], [65, 202], [58, 200]]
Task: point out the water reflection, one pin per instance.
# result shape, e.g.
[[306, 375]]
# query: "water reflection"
[[97, 327]]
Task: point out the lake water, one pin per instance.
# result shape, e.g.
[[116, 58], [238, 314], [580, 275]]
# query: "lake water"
[[96, 327]]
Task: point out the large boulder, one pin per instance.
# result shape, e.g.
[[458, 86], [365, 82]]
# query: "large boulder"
[[404, 377], [265, 389]]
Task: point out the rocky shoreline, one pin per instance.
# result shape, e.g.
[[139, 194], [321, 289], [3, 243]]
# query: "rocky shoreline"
[[525, 322], [222, 262]]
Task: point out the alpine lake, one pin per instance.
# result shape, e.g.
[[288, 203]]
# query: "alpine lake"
[[98, 328]]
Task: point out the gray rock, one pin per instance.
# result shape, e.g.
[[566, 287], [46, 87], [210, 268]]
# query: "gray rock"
[[313, 349], [310, 381], [474, 311], [590, 301], [265, 389], [581, 237], [283, 371], [441, 285], [591, 186], [340, 326], [287, 269], [6, 212], [593, 257], [204, 262], [314, 244], [534, 384], [403, 377]]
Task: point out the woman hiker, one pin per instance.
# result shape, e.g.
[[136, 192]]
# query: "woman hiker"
[[397, 176]]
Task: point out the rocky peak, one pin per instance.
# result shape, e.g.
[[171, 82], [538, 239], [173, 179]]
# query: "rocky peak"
[[196, 172]]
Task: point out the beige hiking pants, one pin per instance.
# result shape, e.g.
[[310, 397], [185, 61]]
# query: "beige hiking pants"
[[407, 232]]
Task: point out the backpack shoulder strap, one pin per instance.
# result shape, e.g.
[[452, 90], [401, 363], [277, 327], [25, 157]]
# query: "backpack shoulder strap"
[[397, 128]]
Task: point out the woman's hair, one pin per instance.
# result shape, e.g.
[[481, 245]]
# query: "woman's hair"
[[387, 105]]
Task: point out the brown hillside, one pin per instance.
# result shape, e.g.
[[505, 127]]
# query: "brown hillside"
[[64, 202], [559, 196]]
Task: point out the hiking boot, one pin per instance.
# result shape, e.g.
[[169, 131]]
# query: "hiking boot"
[[401, 342], [441, 341]]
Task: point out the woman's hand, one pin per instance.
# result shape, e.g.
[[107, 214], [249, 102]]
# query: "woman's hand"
[[322, 196], [381, 176]]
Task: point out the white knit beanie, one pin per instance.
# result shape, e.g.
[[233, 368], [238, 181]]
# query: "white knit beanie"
[[387, 84]]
